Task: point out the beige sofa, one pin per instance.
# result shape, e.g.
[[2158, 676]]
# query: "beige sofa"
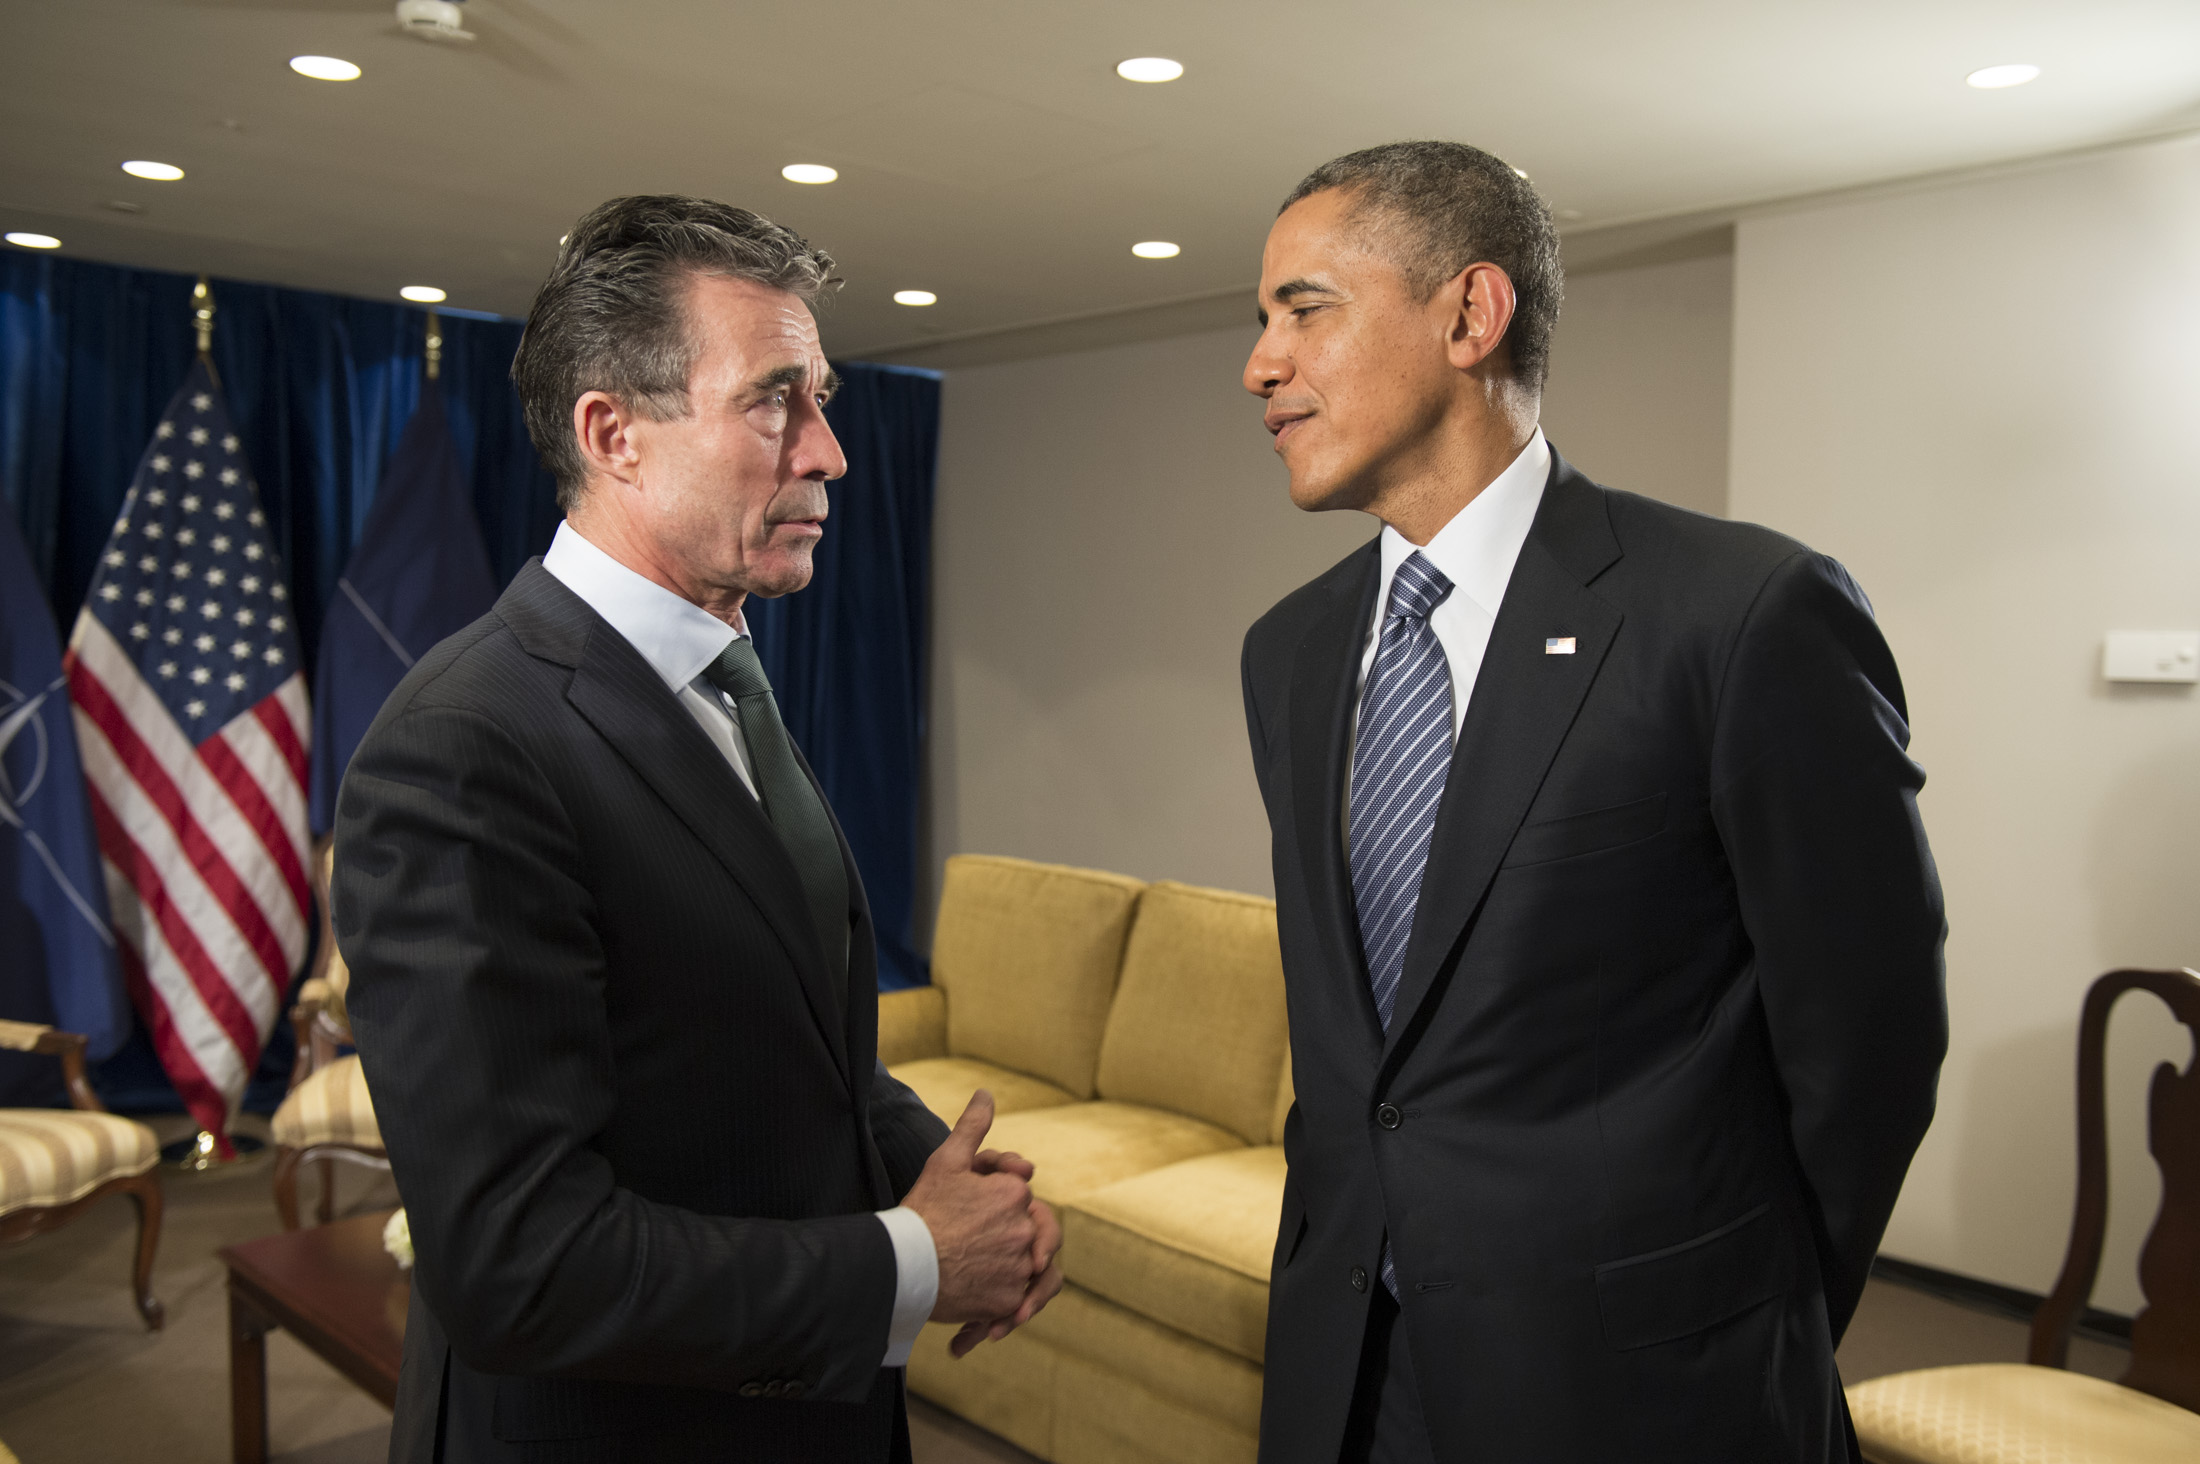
[[1133, 1037]]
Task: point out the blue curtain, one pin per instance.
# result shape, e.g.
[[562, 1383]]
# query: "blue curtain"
[[321, 387]]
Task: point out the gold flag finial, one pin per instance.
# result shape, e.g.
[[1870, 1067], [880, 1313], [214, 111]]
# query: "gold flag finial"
[[202, 310], [435, 345]]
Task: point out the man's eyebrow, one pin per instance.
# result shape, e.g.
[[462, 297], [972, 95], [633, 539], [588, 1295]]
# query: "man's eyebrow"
[[1285, 292], [794, 373]]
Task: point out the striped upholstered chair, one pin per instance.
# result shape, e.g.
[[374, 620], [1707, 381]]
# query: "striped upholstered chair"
[[56, 1163], [327, 1115]]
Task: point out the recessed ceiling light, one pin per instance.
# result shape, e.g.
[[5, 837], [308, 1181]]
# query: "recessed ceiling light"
[[158, 172], [324, 68], [1994, 78], [34, 241], [808, 173], [423, 294], [1155, 249], [1149, 68], [915, 297]]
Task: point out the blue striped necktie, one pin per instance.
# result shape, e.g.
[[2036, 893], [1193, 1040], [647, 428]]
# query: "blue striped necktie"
[[1399, 763]]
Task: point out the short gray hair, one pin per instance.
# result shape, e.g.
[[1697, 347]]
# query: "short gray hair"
[[612, 315], [1438, 207]]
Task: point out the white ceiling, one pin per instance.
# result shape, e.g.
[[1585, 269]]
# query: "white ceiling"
[[987, 151]]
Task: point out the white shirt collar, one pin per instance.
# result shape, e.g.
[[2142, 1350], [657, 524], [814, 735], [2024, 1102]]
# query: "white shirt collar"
[[1477, 549], [677, 637]]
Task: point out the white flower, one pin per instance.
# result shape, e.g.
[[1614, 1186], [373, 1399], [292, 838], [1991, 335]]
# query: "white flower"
[[397, 1239]]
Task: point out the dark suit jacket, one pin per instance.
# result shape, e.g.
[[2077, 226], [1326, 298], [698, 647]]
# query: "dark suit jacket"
[[1672, 1011], [637, 1125]]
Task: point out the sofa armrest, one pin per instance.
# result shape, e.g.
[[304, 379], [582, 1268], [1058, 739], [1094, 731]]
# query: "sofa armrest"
[[912, 1024]]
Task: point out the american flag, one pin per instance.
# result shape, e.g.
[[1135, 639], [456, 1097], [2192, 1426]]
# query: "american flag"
[[191, 717]]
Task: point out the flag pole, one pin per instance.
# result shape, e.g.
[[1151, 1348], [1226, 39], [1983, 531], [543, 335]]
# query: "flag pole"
[[202, 314], [204, 1151], [435, 344]]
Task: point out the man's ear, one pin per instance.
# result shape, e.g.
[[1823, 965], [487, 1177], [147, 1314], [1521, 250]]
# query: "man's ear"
[[1478, 305], [603, 430]]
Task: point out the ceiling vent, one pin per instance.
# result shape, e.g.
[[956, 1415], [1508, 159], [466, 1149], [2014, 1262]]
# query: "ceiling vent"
[[434, 20]]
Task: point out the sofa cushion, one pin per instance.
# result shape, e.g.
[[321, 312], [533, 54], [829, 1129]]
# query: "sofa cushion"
[[2011, 1413], [50, 1156], [1087, 1146], [912, 1024], [1028, 954], [1198, 1021], [1168, 1396], [330, 1107], [1286, 1095], [946, 1083], [1189, 1245]]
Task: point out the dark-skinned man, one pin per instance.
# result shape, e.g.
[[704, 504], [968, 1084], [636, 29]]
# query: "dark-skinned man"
[[1610, 934]]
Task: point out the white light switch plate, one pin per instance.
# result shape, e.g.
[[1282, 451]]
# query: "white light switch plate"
[[2152, 655]]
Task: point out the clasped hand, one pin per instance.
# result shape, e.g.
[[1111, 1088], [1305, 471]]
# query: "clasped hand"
[[996, 1242]]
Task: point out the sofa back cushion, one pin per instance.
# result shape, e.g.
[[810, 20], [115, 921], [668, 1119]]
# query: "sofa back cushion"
[[1198, 1022], [1028, 956], [1286, 1095]]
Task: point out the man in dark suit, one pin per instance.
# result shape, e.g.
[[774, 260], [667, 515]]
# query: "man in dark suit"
[[613, 974], [1612, 941]]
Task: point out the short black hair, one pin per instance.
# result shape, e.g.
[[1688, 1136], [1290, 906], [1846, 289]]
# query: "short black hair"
[[1438, 207], [612, 315]]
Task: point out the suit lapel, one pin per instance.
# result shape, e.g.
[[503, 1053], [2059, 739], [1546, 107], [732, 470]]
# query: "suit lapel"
[[625, 701], [1322, 676], [1524, 701]]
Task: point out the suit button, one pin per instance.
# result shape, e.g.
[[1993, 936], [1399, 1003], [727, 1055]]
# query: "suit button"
[[774, 1388], [1389, 1116], [794, 1388], [751, 1390], [1359, 1278]]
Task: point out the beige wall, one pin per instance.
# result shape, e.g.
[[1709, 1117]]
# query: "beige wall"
[[1985, 398], [1638, 392], [1110, 521]]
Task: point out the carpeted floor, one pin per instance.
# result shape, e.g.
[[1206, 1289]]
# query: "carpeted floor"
[[80, 1380]]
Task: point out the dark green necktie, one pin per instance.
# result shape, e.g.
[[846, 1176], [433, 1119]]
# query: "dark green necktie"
[[790, 800]]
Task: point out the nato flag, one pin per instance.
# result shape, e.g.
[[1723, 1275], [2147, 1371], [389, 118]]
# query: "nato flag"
[[57, 955], [417, 576]]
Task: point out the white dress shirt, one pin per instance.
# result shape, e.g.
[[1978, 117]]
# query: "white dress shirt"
[[1476, 552], [678, 638]]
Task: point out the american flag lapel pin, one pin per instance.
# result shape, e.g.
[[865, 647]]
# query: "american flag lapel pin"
[[1559, 645]]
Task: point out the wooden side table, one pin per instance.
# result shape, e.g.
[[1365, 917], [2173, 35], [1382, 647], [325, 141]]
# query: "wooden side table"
[[336, 1290]]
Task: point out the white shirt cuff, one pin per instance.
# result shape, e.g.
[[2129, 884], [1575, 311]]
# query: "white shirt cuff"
[[916, 1280]]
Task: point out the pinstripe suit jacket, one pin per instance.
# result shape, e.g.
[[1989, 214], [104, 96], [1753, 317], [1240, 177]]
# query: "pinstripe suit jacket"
[[637, 1125]]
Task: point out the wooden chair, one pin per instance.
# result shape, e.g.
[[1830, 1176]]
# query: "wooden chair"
[[2000, 1413], [327, 1114], [56, 1163]]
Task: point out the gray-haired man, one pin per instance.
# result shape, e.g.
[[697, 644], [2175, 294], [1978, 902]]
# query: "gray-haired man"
[[612, 968]]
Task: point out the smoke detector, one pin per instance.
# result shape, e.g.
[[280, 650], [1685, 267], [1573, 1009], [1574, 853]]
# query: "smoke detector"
[[434, 20]]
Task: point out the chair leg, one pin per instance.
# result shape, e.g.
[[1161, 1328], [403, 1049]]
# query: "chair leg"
[[145, 1191], [326, 1211], [286, 1185]]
